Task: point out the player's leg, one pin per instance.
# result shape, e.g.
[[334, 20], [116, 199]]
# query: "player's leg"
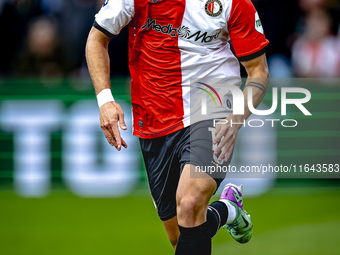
[[197, 224], [163, 171], [217, 216], [193, 195], [171, 227], [195, 189]]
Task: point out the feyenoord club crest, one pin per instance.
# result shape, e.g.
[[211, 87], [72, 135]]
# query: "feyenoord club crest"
[[213, 8]]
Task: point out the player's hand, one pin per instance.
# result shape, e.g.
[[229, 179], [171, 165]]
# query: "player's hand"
[[225, 136], [111, 114]]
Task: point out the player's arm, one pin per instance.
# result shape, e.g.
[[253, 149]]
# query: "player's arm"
[[99, 67], [98, 59], [258, 81], [111, 18], [249, 46]]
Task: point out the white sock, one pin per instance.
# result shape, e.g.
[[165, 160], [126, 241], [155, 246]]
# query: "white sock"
[[231, 211]]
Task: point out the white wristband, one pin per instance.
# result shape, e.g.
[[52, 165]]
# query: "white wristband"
[[104, 97]]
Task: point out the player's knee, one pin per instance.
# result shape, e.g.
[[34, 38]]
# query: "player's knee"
[[189, 206]]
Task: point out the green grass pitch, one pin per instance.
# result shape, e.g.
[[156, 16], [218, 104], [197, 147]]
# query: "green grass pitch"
[[286, 221]]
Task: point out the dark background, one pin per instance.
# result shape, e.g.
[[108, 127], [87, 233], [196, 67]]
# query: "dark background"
[[47, 38]]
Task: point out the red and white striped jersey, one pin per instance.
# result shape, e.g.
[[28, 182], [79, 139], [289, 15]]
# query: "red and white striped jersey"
[[172, 42]]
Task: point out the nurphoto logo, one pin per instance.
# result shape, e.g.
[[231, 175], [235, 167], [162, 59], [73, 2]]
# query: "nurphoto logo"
[[238, 104]]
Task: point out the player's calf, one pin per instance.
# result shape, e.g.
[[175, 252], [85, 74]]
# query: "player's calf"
[[171, 227]]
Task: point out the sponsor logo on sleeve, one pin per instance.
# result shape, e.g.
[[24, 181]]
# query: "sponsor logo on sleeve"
[[258, 24], [106, 2]]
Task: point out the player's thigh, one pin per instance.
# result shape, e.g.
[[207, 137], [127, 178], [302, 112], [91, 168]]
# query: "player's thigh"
[[199, 154], [163, 171], [202, 184]]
